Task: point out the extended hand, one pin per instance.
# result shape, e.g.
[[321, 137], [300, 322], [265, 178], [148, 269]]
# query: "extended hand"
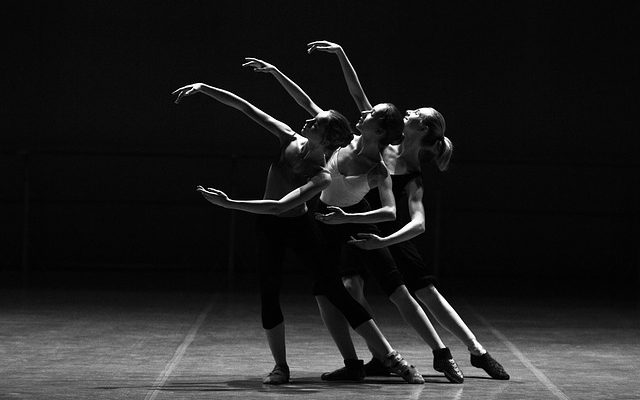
[[186, 91], [336, 216], [323, 45], [259, 65], [215, 196], [367, 241]]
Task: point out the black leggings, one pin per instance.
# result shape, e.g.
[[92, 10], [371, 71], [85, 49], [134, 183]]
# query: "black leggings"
[[301, 235], [355, 261], [413, 268]]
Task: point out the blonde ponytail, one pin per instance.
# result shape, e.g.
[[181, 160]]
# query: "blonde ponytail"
[[443, 157]]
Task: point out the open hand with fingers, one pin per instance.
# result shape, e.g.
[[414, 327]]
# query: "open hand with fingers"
[[215, 196], [259, 65], [323, 45], [367, 241], [186, 91], [334, 217]]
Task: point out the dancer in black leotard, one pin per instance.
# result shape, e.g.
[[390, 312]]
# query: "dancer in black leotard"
[[297, 176], [355, 169], [363, 169], [424, 138]]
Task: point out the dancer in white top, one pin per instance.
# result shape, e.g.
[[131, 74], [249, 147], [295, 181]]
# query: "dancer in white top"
[[424, 140], [297, 176]]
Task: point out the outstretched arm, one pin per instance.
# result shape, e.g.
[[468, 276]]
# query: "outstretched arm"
[[279, 129], [413, 228], [290, 86], [291, 200], [350, 76]]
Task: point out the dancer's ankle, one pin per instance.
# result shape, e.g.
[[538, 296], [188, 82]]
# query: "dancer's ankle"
[[476, 349]]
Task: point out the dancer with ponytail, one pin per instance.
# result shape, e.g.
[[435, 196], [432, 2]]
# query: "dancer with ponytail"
[[355, 169], [424, 139], [294, 178]]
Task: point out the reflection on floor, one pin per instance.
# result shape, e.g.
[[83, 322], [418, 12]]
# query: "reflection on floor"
[[170, 345]]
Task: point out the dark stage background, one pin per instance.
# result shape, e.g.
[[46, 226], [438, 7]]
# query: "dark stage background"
[[98, 166]]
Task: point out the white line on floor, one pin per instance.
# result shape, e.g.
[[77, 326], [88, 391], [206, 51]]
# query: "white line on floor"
[[177, 356], [523, 359]]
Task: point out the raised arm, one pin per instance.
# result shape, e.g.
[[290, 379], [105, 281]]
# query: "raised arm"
[[278, 128], [290, 86], [291, 200], [350, 76], [415, 227]]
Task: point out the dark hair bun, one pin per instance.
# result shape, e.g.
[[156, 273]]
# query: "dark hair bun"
[[343, 139], [392, 121], [338, 131]]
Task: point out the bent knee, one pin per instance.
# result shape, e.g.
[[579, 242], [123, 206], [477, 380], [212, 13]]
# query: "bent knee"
[[354, 285], [400, 295]]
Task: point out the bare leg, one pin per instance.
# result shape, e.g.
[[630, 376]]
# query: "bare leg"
[[338, 327], [353, 370], [355, 286], [280, 373], [376, 342], [416, 317], [440, 308], [275, 337]]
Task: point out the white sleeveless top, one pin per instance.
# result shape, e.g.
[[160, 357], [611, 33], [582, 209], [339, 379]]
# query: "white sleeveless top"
[[344, 190]]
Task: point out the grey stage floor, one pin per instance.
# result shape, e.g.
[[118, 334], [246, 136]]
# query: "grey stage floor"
[[155, 345]]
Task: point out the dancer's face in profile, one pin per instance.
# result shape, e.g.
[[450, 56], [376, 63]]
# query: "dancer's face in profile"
[[313, 128], [368, 119], [416, 124], [413, 119]]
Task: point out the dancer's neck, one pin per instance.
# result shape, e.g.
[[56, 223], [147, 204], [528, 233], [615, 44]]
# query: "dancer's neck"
[[367, 147], [409, 152], [315, 152]]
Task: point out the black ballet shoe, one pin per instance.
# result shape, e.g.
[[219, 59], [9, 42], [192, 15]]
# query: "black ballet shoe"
[[490, 365], [443, 362], [376, 368], [278, 376], [353, 370]]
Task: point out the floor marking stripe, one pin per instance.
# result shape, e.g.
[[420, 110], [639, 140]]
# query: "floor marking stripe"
[[177, 356], [523, 359]]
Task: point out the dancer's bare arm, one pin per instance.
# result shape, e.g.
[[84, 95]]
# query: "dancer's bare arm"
[[291, 200], [278, 128], [410, 230], [350, 76], [387, 211], [290, 86]]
